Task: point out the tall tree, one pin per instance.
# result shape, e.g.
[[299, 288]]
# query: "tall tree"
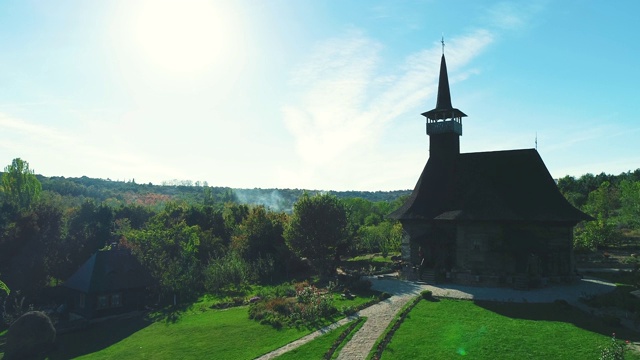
[[259, 234], [318, 230], [19, 184]]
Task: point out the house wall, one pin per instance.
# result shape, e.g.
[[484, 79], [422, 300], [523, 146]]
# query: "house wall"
[[497, 248], [491, 249], [478, 249]]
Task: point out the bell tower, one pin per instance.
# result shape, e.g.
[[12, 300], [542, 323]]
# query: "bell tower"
[[444, 123]]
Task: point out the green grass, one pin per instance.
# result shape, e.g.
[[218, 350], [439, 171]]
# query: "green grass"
[[316, 348], [223, 334], [448, 328]]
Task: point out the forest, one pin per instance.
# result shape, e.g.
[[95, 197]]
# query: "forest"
[[196, 239], [193, 238]]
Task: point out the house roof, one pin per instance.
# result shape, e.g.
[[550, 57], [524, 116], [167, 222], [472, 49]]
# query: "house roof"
[[109, 271], [512, 185]]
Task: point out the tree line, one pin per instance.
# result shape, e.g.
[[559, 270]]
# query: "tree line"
[[191, 244], [612, 200]]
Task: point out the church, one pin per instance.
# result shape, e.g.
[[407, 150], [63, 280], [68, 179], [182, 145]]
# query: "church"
[[487, 218]]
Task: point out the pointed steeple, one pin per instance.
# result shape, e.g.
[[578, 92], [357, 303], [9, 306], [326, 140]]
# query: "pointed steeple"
[[444, 123], [444, 94], [444, 110]]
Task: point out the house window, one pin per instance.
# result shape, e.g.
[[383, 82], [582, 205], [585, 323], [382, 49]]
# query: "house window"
[[102, 302], [82, 301], [116, 300], [477, 243]]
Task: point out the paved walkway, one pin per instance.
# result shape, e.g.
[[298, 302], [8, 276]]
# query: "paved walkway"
[[380, 315]]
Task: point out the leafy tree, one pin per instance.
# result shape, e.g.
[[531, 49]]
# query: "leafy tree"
[[601, 204], [630, 202], [170, 254], [318, 230], [19, 184], [603, 201], [259, 234]]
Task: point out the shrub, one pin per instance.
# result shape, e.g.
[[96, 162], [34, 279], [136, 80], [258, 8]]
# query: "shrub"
[[614, 350], [384, 296], [228, 270], [427, 294], [32, 334], [307, 307]]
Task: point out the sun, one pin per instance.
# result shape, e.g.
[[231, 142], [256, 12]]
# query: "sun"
[[181, 37]]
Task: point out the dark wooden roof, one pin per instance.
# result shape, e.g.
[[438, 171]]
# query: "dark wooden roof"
[[109, 271], [510, 185]]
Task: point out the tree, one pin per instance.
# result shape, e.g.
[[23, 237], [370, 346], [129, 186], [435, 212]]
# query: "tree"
[[169, 252], [630, 201], [259, 234], [601, 204], [318, 230], [19, 184]]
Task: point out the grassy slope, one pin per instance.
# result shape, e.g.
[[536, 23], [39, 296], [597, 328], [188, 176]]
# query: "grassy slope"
[[449, 328], [226, 334]]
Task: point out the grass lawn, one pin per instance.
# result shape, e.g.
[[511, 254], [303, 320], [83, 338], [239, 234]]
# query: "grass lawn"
[[192, 332], [214, 334], [318, 347], [447, 329]]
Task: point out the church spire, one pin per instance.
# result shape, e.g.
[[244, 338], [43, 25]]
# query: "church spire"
[[444, 123], [444, 110], [444, 94]]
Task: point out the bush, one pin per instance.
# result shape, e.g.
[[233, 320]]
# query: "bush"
[[614, 350], [32, 334], [427, 294], [384, 296], [228, 270], [309, 305]]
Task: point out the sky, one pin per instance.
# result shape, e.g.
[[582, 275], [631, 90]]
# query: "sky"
[[313, 94]]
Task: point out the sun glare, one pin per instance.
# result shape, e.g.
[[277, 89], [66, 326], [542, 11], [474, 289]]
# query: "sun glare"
[[183, 37]]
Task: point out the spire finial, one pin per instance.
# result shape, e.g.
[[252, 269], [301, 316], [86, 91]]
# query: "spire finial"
[[442, 41]]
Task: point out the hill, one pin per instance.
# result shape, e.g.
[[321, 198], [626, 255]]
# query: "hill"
[[121, 192]]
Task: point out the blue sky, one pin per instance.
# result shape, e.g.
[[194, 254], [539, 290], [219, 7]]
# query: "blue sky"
[[312, 94]]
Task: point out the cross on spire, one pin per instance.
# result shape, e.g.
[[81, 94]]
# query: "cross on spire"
[[442, 41]]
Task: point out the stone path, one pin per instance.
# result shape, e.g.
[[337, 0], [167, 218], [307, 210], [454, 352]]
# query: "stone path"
[[379, 316], [292, 345]]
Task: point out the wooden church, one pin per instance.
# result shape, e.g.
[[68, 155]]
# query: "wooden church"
[[488, 218]]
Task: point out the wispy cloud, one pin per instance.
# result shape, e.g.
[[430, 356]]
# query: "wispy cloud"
[[513, 16], [42, 133], [347, 97], [43, 146]]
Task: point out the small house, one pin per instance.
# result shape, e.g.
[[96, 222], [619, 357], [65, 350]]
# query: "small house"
[[110, 282]]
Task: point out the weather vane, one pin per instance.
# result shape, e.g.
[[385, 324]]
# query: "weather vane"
[[442, 41]]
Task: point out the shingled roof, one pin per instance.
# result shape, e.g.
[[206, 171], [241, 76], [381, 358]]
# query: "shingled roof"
[[510, 185], [109, 271]]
